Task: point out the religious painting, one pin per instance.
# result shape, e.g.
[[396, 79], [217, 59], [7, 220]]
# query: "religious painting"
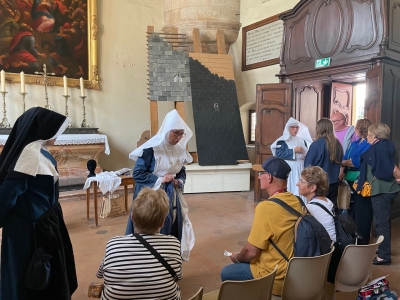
[[59, 33], [261, 43]]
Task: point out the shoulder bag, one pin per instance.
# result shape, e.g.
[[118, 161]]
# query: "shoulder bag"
[[158, 256], [343, 197]]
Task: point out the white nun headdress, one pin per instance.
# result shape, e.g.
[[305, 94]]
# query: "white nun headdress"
[[171, 121], [302, 133]]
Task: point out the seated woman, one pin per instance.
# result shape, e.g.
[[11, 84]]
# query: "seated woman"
[[292, 146], [313, 185], [129, 269]]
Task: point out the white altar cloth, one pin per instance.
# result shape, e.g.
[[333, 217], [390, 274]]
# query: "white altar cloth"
[[75, 139]]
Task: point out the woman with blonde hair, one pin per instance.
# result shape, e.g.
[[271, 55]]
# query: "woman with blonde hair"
[[129, 269], [377, 166], [326, 152]]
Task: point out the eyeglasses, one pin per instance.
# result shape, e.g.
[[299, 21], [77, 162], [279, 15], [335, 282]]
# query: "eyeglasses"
[[294, 127], [302, 181], [178, 134], [334, 121], [262, 173]]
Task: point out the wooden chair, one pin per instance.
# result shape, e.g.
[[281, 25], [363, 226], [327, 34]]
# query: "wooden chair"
[[255, 289], [306, 277], [354, 268]]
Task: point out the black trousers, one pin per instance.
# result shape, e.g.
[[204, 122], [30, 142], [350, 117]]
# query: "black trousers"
[[333, 193], [361, 212], [381, 205]]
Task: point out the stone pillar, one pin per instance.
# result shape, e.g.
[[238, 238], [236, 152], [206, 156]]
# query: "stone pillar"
[[207, 15]]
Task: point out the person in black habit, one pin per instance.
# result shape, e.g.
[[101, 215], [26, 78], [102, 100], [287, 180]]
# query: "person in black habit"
[[30, 214]]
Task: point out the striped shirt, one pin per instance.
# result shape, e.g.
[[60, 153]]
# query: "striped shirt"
[[130, 271]]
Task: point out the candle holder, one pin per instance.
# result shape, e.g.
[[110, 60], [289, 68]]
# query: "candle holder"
[[4, 123], [23, 101], [84, 123], [66, 108], [44, 73]]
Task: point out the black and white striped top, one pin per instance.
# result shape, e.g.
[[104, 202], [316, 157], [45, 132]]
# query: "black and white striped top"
[[130, 271]]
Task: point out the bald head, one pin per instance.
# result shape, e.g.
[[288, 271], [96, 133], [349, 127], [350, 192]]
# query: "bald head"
[[339, 121]]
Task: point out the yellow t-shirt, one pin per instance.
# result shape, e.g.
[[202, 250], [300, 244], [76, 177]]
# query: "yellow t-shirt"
[[273, 221]]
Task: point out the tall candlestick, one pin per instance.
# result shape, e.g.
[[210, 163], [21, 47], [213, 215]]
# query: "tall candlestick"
[[65, 86], [3, 81], [82, 87], [22, 82]]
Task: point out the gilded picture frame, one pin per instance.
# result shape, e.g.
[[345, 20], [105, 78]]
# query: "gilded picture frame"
[[66, 47]]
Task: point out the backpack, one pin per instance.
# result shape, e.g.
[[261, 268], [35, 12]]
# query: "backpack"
[[310, 237], [346, 229]]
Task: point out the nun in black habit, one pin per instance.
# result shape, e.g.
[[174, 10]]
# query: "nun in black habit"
[[30, 213]]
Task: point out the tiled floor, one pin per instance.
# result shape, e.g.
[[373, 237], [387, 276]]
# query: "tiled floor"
[[220, 221]]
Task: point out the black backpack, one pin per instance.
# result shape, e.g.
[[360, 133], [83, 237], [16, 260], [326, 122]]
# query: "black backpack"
[[346, 229], [310, 236]]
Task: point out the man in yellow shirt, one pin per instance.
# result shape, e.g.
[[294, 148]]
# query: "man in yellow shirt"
[[271, 221]]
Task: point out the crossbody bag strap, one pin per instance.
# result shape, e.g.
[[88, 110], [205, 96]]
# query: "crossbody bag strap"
[[157, 255], [323, 207], [292, 211]]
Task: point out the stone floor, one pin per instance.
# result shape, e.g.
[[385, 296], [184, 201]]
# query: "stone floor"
[[221, 221]]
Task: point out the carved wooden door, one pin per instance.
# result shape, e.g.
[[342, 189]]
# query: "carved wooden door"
[[273, 108], [373, 98], [309, 102], [342, 100]]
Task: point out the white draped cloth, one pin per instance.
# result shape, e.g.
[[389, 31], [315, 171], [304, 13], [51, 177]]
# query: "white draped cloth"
[[296, 163]]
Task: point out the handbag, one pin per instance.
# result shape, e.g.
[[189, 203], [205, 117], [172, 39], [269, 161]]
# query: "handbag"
[[158, 256], [343, 197], [373, 289], [95, 290], [366, 189], [38, 273]]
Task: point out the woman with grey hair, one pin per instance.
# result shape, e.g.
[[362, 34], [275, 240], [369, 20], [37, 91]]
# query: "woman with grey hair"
[[129, 269], [377, 166]]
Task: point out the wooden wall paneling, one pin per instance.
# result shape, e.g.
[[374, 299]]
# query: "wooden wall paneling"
[[390, 114], [347, 31], [327, 27], [273, 107], [362, 32], [394, 25], [373, 94], [341, 100]]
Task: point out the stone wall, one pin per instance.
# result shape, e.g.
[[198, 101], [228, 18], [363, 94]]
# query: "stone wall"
[[207, 15], [168, 71]]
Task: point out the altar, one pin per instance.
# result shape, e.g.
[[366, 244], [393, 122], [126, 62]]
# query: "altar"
[[72, 151]]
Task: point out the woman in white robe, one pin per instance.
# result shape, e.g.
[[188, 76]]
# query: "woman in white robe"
[[160, 165], [292, 146]]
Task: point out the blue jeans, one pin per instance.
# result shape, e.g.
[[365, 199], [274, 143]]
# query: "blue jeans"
[[236, 272]]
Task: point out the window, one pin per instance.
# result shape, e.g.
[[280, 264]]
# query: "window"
[[252, 126]]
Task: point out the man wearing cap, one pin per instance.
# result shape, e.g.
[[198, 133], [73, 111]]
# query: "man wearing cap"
[[271, 221]]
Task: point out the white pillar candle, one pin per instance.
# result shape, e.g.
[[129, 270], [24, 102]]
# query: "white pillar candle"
[[65, 85], [82, 87], [22, 82], [3, 81]]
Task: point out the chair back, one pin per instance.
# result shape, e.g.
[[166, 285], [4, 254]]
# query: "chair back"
[[354, 268], [306, 277], [255, 289], [198, 295]]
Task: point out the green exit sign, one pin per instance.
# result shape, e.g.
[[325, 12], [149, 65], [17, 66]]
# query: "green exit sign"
[[323, 62]]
